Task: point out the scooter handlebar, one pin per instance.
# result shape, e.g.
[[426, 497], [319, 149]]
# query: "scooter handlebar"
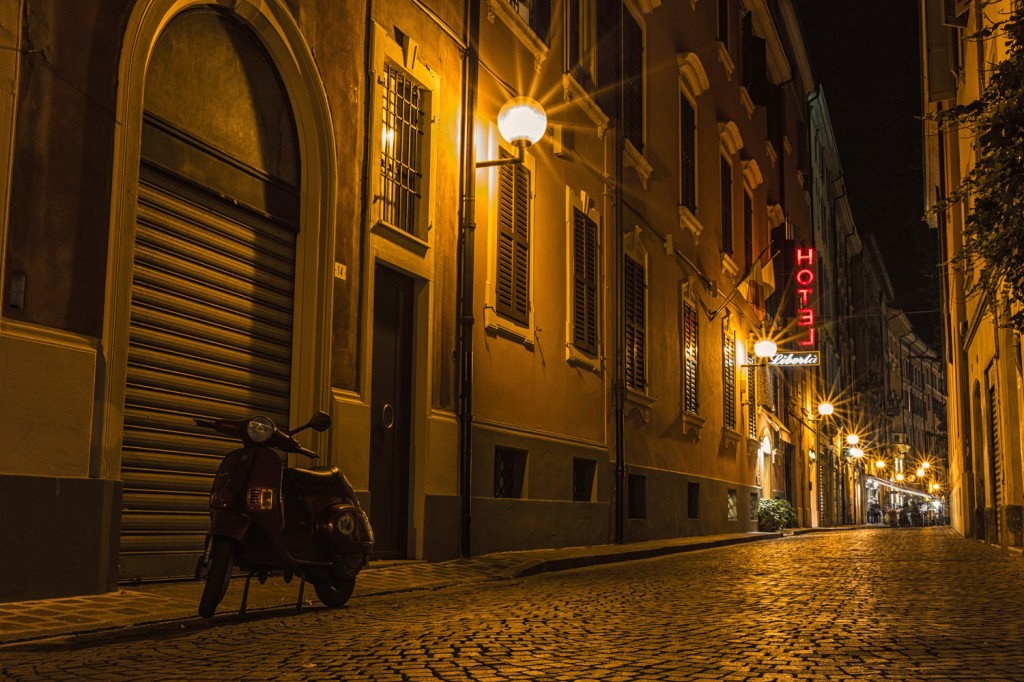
[[308, 453]]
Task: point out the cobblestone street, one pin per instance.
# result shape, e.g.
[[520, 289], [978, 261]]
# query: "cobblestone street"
[[911, 604]]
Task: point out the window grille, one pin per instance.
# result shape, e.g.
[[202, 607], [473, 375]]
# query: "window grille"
[[732, 513], [583, 479], [687, 154], [754, 498], [693, 500], [509, 470], [401, 156], [751, 396], [513, 252], [691, 341], [726, 207], [636, 332], [584, 282], [729, 379]]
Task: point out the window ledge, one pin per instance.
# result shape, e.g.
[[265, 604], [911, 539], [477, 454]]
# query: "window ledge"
[[692, 425], [401, 238], [519, 28], [640, 402], [726, 59], [574, 92], [753, 446], [689, 222], [730, 438], [583, 359], [773, 155], [634, 158], [498, 326], [748, 104], [729, 266]]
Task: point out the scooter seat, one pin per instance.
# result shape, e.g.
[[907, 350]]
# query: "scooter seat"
[[325, 481]]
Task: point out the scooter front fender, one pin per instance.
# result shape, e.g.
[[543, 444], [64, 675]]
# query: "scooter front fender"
[[230, 524]]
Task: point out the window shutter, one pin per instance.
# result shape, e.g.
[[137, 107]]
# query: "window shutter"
[[748, 233], [723, 22], [636, 371], [687, 154], [584, 282], [540, 18], [633, 81], [572, 42], [726, 207], [954, 14], [941, 79], [690, 367], [729, 380], [751, 396], [513, 252]]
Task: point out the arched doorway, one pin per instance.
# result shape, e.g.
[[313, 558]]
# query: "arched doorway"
[[210, 328]]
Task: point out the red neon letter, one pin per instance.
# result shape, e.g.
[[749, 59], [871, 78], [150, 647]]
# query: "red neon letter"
[[805, 317], [802, 294], [804, 277], [805, 256], [809, 341]]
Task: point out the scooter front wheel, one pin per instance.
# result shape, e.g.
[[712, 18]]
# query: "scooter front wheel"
[[218, 578], [335, 591]]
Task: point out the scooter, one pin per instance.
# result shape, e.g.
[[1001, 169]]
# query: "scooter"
[[266, 516]]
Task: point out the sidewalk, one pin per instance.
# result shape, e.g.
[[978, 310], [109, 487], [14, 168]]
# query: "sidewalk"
[[174, 603]]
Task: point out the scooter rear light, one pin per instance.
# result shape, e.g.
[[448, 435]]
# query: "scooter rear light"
[[261, 498]]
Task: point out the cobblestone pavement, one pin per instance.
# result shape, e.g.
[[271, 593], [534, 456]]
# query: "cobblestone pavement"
[[910, 604]]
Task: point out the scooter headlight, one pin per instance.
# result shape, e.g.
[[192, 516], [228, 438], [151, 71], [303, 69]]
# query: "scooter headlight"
[[259, 429]]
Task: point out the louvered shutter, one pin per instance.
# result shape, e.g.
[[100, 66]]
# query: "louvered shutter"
[[726, 207], [729, 379], [633, 80], [748, 233], [690, 366], [636, 333], [940, 43], [513, 252], [584, 282], [751, 396], [687, 154], [540, 18]]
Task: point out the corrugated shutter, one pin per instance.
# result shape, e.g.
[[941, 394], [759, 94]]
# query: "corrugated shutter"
[[210, 334]]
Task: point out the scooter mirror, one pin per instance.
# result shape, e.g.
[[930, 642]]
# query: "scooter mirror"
[[321, 421]]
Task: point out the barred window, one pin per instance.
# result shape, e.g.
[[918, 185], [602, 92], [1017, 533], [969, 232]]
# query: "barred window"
[[513, 252], [583, 479], [726, 206], [636, 331], [584, 275], [401, 153], [691, 341], [687, 154], [729, 379], [509, 471]]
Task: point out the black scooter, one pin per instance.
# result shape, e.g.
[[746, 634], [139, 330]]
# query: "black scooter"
[[266, 517]]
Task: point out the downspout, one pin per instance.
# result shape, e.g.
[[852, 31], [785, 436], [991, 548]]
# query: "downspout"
[[619, 377], [465, 271]]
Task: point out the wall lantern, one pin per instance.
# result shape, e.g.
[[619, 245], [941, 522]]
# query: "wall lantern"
[[825, 409], [852, 439], [856, 453], [521, 122], [765, 348]]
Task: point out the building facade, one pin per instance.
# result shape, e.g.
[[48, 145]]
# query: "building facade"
[[982, 356]]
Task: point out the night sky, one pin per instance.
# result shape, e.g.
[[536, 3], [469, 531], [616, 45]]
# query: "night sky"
[[865, 55]]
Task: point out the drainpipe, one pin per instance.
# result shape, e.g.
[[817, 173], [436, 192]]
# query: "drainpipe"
[[465, 273], [619, 378]]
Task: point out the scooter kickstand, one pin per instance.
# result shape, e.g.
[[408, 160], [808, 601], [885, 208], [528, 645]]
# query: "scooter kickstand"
[[245, 594], [302, 587]]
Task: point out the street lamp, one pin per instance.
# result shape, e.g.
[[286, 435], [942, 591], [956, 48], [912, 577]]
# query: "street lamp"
[[765, 348], [825, 408], [522, 122], [852, 439]]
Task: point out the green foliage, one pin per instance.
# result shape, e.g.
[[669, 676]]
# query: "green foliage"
[[774, 515], [993, 190]]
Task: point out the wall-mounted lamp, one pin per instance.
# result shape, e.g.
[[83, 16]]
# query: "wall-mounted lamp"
[[765, 348], [825, 408], [521, 122]]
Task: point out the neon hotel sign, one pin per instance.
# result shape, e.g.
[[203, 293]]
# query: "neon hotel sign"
[[805, 298]]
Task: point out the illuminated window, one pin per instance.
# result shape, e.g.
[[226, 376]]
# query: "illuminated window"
[[729, 378], [636, 326], [691, 373], [401, 158], [731, 511]]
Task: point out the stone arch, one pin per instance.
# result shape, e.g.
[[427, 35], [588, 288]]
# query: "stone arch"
[[273, 25]]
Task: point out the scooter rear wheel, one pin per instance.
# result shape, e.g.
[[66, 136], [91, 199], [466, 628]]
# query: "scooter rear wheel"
[[335, 592], [218, 578]]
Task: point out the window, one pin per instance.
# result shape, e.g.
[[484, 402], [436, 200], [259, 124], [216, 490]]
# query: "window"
[[637, 497], [509, 471], [693, 500], [633, 80], [581, 55], [691, 340], [636, 330], [729, 378], [401, 159], [754, 498], [687, 154], [748, 232], [584, 282], [723, 22], [536, 14], [731, 512], [726, 206], [751, 396], [583, 479], [513, 248]]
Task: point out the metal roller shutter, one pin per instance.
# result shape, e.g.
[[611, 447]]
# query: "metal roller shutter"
[[211, 335]]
